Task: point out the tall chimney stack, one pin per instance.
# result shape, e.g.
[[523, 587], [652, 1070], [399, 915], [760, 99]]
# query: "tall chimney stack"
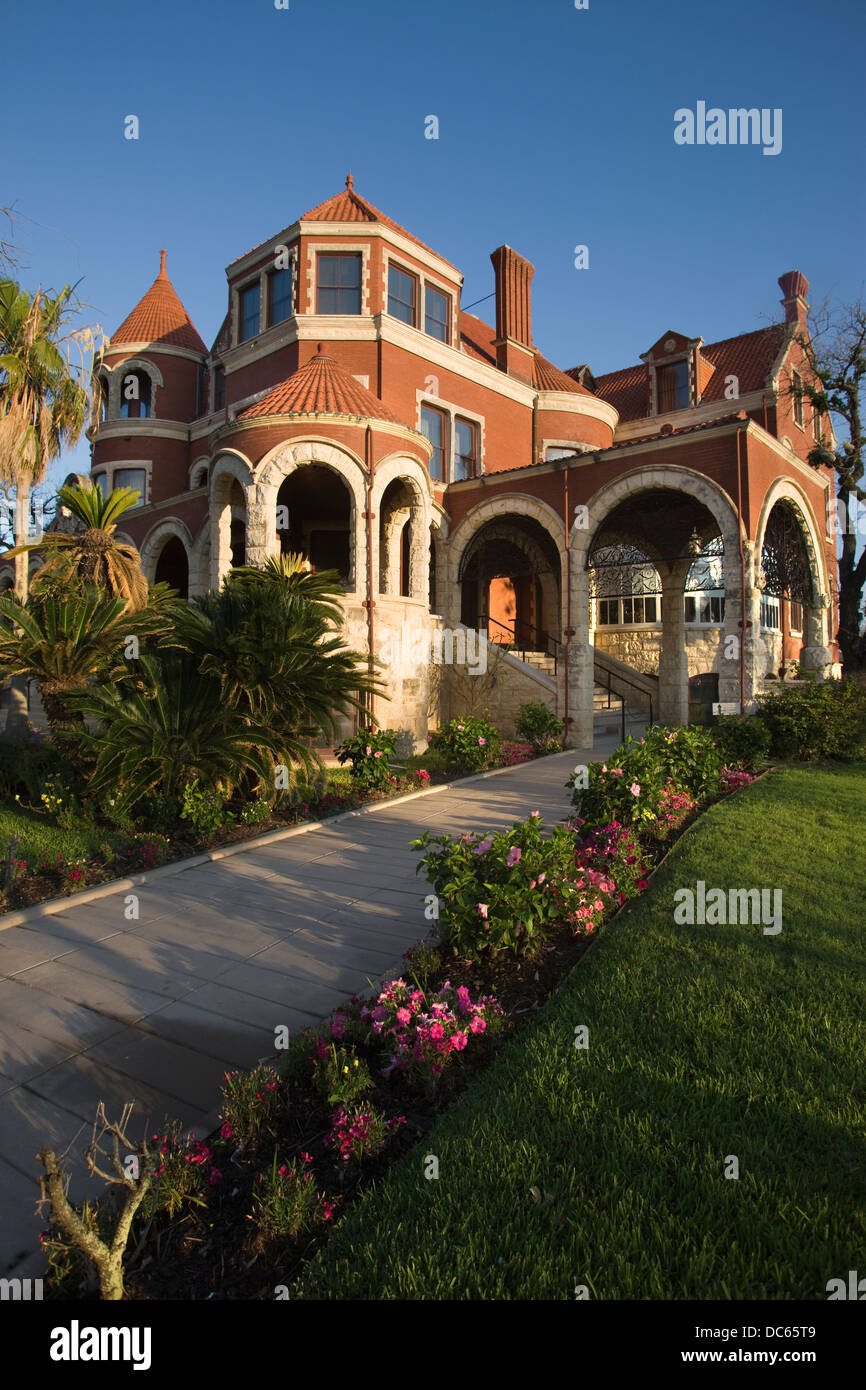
[[513, 342], [794, 287]]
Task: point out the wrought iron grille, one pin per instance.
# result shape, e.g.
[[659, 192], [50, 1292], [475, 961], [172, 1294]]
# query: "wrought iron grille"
[[785, 557], [708, 571], [622, 571]]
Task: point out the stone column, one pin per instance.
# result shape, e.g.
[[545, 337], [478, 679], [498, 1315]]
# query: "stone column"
[[220, 541], [419, 553], [816, 655], [261, 523], [579, 733], [673, 660]]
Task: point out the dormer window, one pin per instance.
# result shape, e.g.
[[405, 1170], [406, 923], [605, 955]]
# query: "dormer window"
[[279, 295], [672, 387], [437, 314]]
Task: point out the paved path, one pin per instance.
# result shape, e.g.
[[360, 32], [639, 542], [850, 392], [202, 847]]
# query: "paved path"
[[94, 1007]]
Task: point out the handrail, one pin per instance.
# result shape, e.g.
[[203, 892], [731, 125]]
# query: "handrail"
[[528, 627], [597, 666]]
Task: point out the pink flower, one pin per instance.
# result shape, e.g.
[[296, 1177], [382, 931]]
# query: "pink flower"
[[635, 788], [477, 1025], [459, 1041], [226, 1132], [483, 847], [482, 910], [460, 728], [514, 856], [403, 1017], [377, 754], [535, 813], [368, 750], [481, 742]]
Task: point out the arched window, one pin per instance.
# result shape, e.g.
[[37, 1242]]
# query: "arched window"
[[135, 396]]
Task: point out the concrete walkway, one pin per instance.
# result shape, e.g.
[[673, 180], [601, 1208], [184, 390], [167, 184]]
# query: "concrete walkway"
[[94, 1007]]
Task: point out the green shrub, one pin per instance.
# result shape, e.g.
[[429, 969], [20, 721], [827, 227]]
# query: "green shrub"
[[634, 784], [816, 721], [340, 1076], [286, 1200], [468, 745], [24, 766], [205, 809], [370, 752], [538, 725], [495, 891], [251, 1101], [744, 739]]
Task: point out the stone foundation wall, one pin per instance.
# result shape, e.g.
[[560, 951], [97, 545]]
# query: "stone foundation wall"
[[642, 648]]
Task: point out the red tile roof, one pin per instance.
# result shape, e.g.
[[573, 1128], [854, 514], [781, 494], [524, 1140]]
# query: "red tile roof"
[[159, 317], [321, 387], [550, 378], [748, 356], [349, 206], [477, 337]]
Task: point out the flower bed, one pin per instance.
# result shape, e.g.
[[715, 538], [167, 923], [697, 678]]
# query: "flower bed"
[[299, 1138]]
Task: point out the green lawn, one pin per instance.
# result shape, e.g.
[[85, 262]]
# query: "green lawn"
[[40, 835], [704, 1042]]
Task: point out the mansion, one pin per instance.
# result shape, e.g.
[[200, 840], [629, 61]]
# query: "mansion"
[[656, 531]]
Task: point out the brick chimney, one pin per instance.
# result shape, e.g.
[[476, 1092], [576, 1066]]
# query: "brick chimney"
[[513, 342], [794, 287]]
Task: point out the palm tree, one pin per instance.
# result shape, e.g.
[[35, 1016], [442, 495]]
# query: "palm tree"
[[93, 556], [64, 640], [43, 404]]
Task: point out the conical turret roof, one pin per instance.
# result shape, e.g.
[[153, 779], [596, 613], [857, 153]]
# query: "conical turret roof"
[[159, 318], [321, 387]]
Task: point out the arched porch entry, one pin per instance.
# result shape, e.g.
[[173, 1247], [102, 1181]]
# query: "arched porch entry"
[[230, 485], [793, 600], [660, 538], [510, 584], [165, 555], [314, 519]]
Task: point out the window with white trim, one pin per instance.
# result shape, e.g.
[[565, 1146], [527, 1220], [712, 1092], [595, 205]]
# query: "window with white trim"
[[770, 615], [705, 608], [797, 397], [638, 610]]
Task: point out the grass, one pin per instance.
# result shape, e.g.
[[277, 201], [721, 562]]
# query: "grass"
[[38, 835], [704, 1042]]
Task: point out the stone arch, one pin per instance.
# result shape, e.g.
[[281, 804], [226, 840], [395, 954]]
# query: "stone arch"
[[199, 567], [513, 507], [154, 543], [673, 688], [815, 654], [199, 472], [785, 490], [230, 467], [389, 535], [279, 464]]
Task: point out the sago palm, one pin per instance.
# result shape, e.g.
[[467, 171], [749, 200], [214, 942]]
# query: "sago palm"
[[93, 556], [63, 641], [165, 726]]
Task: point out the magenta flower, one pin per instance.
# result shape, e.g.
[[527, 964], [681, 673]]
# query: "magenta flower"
[[483, 847], [514, 856]]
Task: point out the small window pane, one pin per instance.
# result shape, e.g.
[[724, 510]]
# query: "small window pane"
[[135, 396], [437, 313], [673, 387], [99, 481], [433, 426], [339, 284], [219, 388], [651, 606], [280, 291], [465, 449], [249, 312], [134, 478], [402, 293]]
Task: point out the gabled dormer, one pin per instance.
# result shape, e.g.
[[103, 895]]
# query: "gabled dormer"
[[677, 373]]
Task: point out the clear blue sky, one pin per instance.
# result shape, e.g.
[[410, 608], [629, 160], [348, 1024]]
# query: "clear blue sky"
[[556, 129]]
